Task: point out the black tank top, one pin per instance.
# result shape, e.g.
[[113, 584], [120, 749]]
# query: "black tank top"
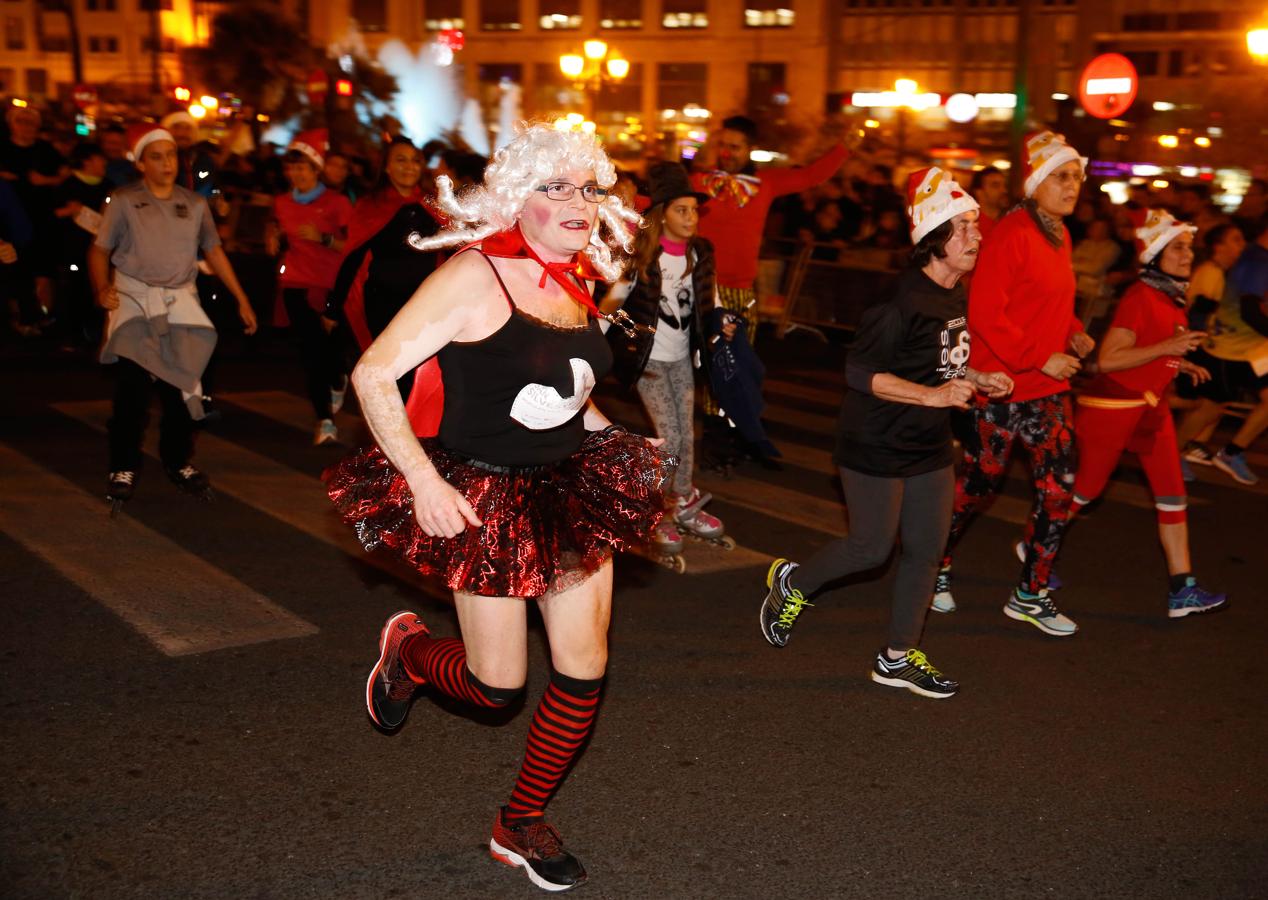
[[516, 398]]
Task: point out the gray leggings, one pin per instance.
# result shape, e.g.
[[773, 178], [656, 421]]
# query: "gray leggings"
[[668, 391], [919, 507]]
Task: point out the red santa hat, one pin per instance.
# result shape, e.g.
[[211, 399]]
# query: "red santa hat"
[[1044, 152], [141, 136], [1159, 229], [313, 143], [934, 197]]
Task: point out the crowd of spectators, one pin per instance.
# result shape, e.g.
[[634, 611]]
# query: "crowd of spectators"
[[52, 184]]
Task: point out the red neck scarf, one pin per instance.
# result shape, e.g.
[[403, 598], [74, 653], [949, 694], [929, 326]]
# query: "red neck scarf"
[[511, 244]]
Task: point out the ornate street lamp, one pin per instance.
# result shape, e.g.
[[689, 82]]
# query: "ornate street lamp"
[[589, 70]]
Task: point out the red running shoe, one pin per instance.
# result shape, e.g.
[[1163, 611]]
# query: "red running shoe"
[[389, 688], [536, 847]]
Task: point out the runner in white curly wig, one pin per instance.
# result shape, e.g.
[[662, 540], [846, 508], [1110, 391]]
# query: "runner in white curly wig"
[[535, 158], [526, 487]]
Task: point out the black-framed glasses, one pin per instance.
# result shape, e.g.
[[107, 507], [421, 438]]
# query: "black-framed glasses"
[[563, 190]]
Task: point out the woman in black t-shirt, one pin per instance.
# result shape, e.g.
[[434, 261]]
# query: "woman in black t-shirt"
[[907, 368]]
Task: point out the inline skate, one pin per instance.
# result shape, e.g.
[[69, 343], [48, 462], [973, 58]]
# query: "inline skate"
[[689, 515]]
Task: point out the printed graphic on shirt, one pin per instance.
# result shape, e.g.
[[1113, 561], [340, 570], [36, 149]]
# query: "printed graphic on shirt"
[[676, 312], [540, 406], [953, 359]]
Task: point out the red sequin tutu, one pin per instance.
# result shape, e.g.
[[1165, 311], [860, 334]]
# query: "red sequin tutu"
[[544, 526]]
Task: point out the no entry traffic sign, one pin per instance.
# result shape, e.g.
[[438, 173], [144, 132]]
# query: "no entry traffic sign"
[[1108, 86]]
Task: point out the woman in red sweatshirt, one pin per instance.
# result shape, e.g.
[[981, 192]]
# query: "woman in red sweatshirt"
[[1125, 407], [314, 223], [1022, 322]]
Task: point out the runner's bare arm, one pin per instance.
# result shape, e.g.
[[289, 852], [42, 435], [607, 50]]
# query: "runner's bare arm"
[[443, 309]]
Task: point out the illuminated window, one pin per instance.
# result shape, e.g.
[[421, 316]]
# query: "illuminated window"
[[166, 44], [500, 15], [37, 81], [14, 34], [559, 15], [619, 14], [103, 44], [685, 14], [679, 85], [770, 14], [371, 15], [442, 15]]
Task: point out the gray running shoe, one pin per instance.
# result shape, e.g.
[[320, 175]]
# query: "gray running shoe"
[[1041, 612], [943, 602]]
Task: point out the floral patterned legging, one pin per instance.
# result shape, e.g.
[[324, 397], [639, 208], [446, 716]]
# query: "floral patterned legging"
[[1044, 427]]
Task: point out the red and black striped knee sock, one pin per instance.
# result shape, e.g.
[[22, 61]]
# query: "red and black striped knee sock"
[[561, 725], [442, 663]]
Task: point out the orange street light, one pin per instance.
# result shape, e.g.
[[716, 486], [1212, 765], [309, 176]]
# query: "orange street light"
[[1257, 44]]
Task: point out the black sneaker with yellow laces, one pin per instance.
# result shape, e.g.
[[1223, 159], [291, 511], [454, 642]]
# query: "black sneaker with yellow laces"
[[913, 672], [783, 603]]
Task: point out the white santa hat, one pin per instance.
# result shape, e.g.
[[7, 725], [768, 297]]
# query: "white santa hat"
[[934, 197], [177, 117], [313, 143], [145, 134], [1159, 230], [1045, 152]]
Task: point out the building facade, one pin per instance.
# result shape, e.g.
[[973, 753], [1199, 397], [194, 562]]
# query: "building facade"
[[126, 47]]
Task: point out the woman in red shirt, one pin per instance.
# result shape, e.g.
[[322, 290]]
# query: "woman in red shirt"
[[1126, 407], [313, 221]]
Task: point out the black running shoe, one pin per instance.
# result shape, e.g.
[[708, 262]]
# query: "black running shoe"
[[536, 847], [190, 480], [783, 604], [915, 673], [121, 485], [389, 688]]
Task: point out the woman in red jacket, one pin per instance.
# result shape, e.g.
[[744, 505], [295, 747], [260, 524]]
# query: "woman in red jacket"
[[313, 220], [1022, 322], [1126, 407]]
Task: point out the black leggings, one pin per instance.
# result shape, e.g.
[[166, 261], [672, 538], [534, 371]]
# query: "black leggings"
[[132, 390], [920, 507], [318, 350]]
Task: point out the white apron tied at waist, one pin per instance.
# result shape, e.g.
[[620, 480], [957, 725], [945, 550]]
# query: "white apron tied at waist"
[[165, 331]]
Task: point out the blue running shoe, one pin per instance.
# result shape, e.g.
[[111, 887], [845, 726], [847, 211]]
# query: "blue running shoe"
[[1236, 466], [1192, 598]]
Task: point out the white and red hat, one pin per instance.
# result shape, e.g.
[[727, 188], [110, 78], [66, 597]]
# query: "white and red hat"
[[178, 117], [1045, 152], [1159, 230], [141, 136], [313, 143], [934, 197]]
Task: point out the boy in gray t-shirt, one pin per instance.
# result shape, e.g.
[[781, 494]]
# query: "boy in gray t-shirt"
[[152, 233]]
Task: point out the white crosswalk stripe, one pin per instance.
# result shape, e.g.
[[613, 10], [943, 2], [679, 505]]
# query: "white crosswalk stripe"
[[177, 600], [289, 496]]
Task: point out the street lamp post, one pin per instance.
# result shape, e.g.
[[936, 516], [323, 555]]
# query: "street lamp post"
[[589, 70]]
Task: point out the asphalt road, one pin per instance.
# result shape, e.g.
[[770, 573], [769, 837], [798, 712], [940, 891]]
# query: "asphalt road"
[[182, 691]]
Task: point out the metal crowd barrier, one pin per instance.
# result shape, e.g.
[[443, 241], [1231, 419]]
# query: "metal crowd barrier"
[[817, 286]]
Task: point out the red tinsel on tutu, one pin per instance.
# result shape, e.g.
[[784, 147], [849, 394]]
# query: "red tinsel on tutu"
[[540, 523]]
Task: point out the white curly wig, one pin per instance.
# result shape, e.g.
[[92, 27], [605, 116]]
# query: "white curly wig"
[[535, 157]]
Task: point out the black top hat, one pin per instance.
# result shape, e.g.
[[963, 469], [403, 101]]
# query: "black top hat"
[[668, 181]]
